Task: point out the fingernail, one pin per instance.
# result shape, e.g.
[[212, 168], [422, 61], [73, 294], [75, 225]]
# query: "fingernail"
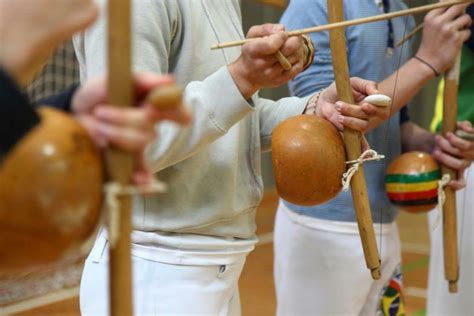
[[278, 28], [338, 105], [340, 119]]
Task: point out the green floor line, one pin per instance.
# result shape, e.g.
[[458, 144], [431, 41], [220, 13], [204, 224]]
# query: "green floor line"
[[420, 313], [418, 264]]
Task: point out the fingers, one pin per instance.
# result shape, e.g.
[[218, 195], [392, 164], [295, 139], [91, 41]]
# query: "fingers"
[[90, 124], [462, 22], [125, 138], [182, 115], [455, 146], [459, 143], [141, 118], [292, 45], [142, 175], [351, 110], [465, 126], [290, 74], [363, 87], [354, 123], [265, 30], [457, 184], [464, 35], [265, 46], [452, 12], [124, 117], [376, 111], [327, 111], [295, 58], [450, 161]]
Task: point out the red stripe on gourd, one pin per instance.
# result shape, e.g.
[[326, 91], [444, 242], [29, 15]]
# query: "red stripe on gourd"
[[404, 196]]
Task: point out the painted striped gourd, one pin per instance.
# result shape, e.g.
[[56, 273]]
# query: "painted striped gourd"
[[411, 182]]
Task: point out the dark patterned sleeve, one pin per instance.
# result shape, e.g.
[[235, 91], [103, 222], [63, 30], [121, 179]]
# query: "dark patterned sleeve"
[[17, 116], [470, 41]]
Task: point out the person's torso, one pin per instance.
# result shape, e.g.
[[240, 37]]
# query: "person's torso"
[[216, 191]]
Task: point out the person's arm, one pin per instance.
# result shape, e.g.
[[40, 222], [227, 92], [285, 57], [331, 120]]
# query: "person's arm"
[[17, 116], [443, 35], [157, 25], [30, 30], [416, 138]]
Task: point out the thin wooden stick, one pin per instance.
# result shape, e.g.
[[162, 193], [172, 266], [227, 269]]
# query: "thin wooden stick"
[[352, 141], [450, 240], [120, 164], [411, 34], [347, 23], [282, 60]]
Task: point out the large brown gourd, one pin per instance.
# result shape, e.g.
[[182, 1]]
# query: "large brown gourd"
[[308, 160], [50, 193]]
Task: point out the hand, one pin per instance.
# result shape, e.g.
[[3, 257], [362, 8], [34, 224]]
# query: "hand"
[[257, 66], [30, 30], [444, 32], [130, 129], [343, 114], [455, 153]]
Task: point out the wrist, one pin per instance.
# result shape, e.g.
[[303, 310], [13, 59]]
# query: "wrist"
[[429, 62], [313, 104], [241, 79]]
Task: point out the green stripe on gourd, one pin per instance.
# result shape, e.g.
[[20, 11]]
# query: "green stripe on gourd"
[[411, 178]]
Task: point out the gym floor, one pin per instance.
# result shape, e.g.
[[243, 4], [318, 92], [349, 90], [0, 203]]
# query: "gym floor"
[[256, 283]]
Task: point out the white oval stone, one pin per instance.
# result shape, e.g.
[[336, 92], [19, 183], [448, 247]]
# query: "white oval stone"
[[378, 100]]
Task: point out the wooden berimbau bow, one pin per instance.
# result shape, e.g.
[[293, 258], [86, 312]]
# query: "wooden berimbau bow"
[[450, 244], [352, 140], [120, 164]]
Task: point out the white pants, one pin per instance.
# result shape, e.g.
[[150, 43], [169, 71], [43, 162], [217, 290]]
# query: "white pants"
[[322, 271], [163, 289], [440, 301]]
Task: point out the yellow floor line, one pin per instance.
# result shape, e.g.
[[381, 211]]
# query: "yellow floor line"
[[40, 301], [420, 249], [415, 291]]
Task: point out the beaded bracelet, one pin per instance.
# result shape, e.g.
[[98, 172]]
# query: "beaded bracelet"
[[312, 106]]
